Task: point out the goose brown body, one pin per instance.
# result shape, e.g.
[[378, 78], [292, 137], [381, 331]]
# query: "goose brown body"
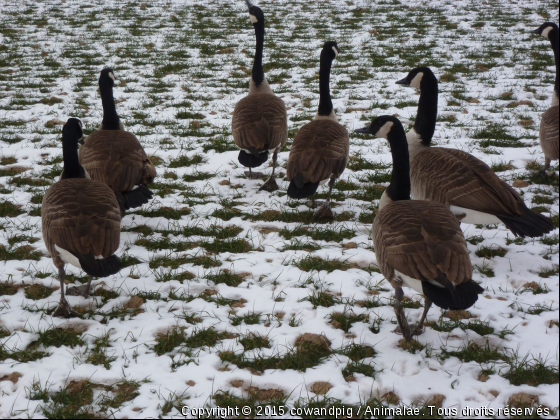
[[81, 216], [320, 151], [116, 158], [548, 134], [422, 240], [260, 123]]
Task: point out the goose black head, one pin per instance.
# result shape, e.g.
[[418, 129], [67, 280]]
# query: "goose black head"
[[255, 13], [72, 130], [107, 76], [416, 76], [330, 49], [380, 126], [545, 29]]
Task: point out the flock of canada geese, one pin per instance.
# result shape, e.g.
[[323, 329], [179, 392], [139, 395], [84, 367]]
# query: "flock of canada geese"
[[418, 243]]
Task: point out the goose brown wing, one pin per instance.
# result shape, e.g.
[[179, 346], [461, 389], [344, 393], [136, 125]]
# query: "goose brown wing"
[[549, 133], [81, 216], [454, 177], [260, 122], [320, 149], [421, 239], [115, 158]]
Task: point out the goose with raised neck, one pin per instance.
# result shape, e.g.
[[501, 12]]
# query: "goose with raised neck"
[[418, 244], [71, 135], [326, 109], [550, 119], [111, 120], [421, 134], [260, 122], [457, 179], [321, 147], [80, 220]]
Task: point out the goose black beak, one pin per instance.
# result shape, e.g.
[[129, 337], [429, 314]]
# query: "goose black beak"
[[249, 4], [364, 130], [536, 32], [402, 82]]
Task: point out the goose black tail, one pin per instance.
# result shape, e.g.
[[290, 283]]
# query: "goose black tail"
[[531, 224], [137, 197], [251, 161], [300, 189], [99, 267], [459, 297]]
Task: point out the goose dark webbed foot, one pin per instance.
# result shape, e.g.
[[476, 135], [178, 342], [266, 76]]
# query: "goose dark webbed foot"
[[269, 185], [64, 310], [324, 212], [78, 291], [254, 175]]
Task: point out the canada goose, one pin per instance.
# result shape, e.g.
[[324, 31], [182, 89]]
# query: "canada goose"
[[260, 121], [116, 157], [548, 134], [418, 244], [464, 183], [321, 148], [81, 221]]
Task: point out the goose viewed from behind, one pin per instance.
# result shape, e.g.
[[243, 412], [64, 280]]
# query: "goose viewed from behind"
[[80, 221], [321, 148], [115, 156], [548, 133], [260, 122], [418, 244], [457, 179]]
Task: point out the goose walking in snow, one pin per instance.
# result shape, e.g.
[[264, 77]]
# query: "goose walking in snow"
[[548, 134], [115, 156], [418, 244], [260, 122], [321, 148], [81, 221], [457, 179]]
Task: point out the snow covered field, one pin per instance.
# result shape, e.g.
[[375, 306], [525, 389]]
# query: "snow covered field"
[[221, 279]]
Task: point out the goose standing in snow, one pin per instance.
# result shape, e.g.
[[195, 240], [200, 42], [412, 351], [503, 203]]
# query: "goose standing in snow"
[[464, 183], [321, 148], [548, 134], [81, 221], [115, 156], [260, 122], [418, 244]]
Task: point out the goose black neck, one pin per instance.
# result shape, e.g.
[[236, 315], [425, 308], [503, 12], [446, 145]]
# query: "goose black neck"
[[553, 36], [110, 118], [72, 167], [325, 103], [258, 72], [399, 188], [426, 118]]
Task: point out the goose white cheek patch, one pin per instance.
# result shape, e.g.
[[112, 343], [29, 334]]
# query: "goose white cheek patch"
[[384, 131], [112, 76], [335, 51], [253, 19], [546, 31], [417, 80]]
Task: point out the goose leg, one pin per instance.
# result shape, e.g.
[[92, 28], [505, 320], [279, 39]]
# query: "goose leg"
[[399, 312], [419, 328], [64, 309], [80, 290], [271, 184], [253, 175], [324, 211]]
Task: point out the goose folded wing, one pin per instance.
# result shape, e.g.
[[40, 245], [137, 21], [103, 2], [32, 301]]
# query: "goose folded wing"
[[423, 240], [465, 181]]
